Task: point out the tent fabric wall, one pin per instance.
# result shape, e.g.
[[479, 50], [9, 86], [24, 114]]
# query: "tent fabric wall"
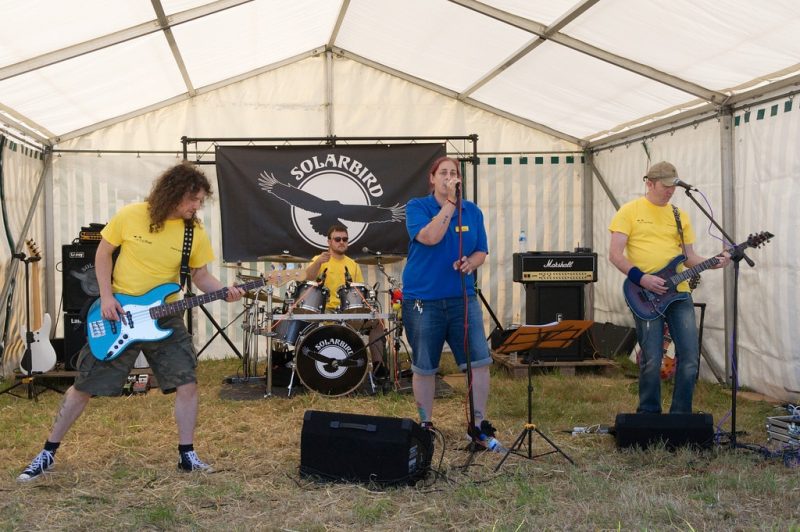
[[766, 192], [22, 169], [540, 195]]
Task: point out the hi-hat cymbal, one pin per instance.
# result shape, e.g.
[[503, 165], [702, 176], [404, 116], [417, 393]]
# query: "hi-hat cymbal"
[[282, 258], [262, 296], [382, 259]]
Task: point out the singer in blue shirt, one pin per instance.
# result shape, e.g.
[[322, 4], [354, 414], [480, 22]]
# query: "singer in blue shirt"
[[435, 296]]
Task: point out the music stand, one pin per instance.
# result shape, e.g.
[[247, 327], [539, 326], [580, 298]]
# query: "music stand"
[[557, 335]]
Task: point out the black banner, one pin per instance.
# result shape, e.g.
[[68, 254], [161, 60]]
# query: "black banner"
[[282, 200]]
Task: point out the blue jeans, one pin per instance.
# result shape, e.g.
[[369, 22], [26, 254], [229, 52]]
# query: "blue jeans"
[[681, 320], [429, 323]]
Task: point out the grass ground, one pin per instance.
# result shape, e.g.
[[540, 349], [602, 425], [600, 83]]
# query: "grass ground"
[[116, 468]]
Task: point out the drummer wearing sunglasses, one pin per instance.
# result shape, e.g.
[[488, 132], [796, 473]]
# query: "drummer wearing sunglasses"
[[339, 269]]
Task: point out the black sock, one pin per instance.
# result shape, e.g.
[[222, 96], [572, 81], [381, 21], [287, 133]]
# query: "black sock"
[[185, 448], [51, 446]]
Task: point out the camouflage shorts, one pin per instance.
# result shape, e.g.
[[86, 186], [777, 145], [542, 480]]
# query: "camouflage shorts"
[[173, 361]]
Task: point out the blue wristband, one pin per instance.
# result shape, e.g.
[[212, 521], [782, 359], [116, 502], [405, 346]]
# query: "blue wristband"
[[635, 275]]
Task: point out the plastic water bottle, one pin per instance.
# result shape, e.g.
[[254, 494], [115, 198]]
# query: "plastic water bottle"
[[492, 444], [522, 242]]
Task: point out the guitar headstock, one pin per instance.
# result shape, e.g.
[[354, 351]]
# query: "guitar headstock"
[[758, 239], [33, 249]]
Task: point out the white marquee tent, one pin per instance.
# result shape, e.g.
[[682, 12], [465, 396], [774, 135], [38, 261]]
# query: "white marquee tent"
[[570, 102]]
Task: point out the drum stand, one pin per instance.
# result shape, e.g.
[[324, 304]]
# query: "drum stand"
[[251, 332]]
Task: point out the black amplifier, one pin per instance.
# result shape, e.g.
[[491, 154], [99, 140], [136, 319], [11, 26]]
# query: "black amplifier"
[[353, 447], [555, 266]]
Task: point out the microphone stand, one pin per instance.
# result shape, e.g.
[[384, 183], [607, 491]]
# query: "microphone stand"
[[736, 258], [473, 445]]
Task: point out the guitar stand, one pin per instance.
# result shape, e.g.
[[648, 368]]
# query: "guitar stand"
[[29, 380], [557, 335]]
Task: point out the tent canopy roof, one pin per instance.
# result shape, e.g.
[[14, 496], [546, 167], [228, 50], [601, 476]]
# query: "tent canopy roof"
[[577, 71]]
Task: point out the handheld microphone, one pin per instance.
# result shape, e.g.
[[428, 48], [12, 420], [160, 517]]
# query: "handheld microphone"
[[365, 249], [679, 183]]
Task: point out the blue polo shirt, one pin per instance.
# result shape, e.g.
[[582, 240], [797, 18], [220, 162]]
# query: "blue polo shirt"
[[429, 272]]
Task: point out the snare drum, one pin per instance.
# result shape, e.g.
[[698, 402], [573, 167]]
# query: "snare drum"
[[355, 298], [310, 298]]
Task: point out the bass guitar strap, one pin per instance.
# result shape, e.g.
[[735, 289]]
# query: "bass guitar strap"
[[188, 235]]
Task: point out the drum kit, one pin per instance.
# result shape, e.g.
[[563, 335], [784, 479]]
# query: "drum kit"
[[323, 349]]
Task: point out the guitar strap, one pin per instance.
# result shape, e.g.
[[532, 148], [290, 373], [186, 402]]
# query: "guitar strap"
[[695, 278], [188, 235]]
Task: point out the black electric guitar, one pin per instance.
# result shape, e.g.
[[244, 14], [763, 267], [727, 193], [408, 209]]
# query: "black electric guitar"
[[648, 305]]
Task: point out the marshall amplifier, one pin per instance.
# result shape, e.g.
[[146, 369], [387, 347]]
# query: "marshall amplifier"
[[360, 448], [555, 266]]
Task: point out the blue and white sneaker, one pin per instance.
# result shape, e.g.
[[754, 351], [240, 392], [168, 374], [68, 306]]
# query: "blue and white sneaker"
[[190, 462], [43, 461]]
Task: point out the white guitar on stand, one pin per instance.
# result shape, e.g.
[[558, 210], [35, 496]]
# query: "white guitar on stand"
[[43, 355]]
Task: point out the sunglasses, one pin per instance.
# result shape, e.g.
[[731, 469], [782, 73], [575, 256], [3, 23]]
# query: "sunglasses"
[[339, 238]]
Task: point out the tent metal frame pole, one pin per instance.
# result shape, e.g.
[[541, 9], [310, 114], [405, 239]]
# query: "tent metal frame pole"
[[728, 182]]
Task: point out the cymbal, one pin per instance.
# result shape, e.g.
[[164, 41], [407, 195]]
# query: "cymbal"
[[383, 259], [237, 266], [282, 258]]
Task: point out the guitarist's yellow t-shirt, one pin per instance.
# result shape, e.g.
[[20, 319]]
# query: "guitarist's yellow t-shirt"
[[334, 278], [147, 259], [653, 238]]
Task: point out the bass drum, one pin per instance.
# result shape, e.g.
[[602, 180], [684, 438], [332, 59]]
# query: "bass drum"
[[331, 359]]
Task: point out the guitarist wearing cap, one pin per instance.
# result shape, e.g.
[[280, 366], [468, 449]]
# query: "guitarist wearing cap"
[[151, 238], [646, 234]]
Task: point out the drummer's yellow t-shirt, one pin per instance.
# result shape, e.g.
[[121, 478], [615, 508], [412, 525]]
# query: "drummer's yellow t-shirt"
[[147, 259], [335, 277]]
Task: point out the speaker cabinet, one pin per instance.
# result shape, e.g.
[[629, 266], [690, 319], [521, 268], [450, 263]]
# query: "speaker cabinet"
[[79, 282], [612, 340], [74, 339], [675, 430], [549, 302], [354, 447]]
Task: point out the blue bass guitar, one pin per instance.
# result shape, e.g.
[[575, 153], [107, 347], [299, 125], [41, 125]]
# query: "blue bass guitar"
[[138, 323], [648, 305]]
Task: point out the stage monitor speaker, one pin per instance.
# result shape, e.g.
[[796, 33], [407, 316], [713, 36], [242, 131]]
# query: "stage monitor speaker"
[[675, 430], [79, 282], [74, 339], [549, 302], [353, 447]]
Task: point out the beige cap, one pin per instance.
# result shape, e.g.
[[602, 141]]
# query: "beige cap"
[[664, 172]]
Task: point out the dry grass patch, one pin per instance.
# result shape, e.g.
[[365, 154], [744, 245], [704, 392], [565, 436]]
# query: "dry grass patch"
[[116, 468]]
